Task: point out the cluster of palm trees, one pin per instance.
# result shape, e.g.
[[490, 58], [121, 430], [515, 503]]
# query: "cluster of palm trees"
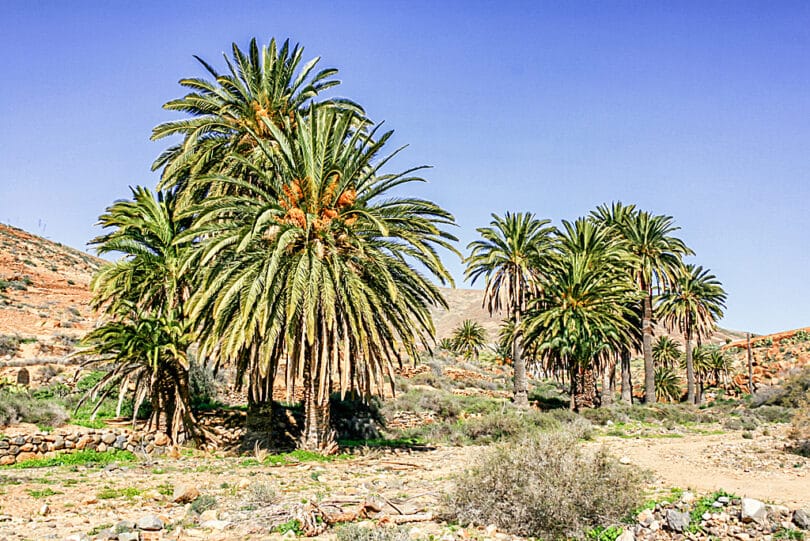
[[274, 243], [581, 299]]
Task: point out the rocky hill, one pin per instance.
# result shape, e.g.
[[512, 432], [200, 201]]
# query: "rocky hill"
[[44, 292]]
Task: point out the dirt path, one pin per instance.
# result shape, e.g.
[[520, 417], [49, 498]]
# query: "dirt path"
[[758, 467]]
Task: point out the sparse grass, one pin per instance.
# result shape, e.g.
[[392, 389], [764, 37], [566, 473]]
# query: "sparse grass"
[[355, 532], [114, 493], [203, 503], [298, 455], [44, 493]]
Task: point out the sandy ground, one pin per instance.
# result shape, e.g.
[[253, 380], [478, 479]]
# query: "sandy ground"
[[413, 482], [757, 468]]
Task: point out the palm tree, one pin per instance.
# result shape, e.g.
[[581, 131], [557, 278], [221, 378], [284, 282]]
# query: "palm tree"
[[510, 257], [469, 338], [614, 217], [142, 293], [149, 354], [693, 306], [666, 352], [582, 312], [667, 384], [148, 275], [230, 113], [309, 269], [657, 261]]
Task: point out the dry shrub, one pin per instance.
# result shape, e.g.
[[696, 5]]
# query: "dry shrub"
[[800, 429], [355, 532], [18, 406], [545, 485]]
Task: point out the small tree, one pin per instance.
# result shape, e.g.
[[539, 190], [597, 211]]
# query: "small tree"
[[469, 338]]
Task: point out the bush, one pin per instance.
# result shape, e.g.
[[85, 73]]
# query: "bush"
[[9, 345], [800, 429], [202, 385], [545, 486], [18, 406]]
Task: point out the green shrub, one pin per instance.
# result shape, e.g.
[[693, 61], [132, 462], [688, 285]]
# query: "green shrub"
[[545, 486], [203, 503], [202, 385]]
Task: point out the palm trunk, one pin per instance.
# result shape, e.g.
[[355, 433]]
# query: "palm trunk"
[[690, 370], [627, 382], [646, 345], [521, 384], [572, 376], [607, 397], [318, 434]]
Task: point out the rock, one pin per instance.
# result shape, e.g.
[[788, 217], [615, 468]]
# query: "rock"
[[717, 505], [77, 537], [108, 438], [215, 524], [801, 519], [185, 494], [624, 460], [723, 499], [753, 511], [44, 510], [677, 521], [22, 457], [128, 536], [102, 447], [149, 523], [210, 514], [687, 497], [7, 460], [161, 439], [645, 518], [627, 535], [125, 526], [106, 534]]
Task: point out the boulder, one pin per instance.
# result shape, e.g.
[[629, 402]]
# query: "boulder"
[[753, 511], [677, 521], [801, 519], [149, 523], [185, 494]]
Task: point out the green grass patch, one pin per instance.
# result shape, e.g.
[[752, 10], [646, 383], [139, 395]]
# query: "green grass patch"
[[44, 493], [80, 458], [114, 493], [397, 443], [300, 455], [701, 506]]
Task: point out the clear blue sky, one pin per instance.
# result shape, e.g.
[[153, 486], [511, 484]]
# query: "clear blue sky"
[[700, 110]]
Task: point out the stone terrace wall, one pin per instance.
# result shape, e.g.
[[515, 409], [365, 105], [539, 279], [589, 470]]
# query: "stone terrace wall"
[[26, 447]]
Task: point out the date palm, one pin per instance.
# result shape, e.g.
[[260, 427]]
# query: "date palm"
[[693, 305], [311, 268], [666, 352], [229, 114], [656, 260], [582, 311], [469, 338], [510, 257], [147, 335]]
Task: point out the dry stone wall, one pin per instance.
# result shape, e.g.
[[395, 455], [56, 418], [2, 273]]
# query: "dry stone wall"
[[20, 448]]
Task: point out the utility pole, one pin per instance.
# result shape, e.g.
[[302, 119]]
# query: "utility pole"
[[750, 364]]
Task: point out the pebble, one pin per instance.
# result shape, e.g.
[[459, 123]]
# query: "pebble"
[[149, 523]]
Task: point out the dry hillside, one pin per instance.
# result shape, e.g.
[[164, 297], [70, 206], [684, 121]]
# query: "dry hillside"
[[44, 286]]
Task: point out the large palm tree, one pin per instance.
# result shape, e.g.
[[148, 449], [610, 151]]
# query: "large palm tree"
[[582, 311], [310, 268], [693, 305], [469, 338], [657, 258], [510, 256], [229, 114], [614, 217]]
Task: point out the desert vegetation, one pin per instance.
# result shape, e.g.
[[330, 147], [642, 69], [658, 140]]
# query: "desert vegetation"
[[271, 308]]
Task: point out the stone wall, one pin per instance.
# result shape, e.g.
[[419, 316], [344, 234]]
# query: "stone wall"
[[20, 448]]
